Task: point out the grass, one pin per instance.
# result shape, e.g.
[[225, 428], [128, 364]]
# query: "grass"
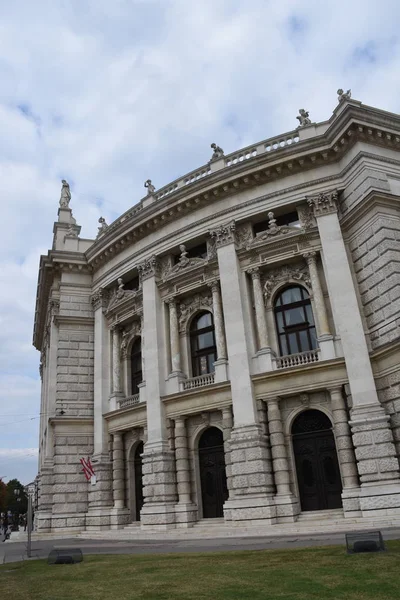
[[299, 574]]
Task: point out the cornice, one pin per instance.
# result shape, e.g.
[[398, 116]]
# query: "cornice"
[[61, 319], [374, 198]]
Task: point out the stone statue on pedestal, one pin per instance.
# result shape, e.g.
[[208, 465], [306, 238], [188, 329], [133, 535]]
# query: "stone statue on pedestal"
[[218, 152], [303, 117], [65, 194], [149, 186], [343, 95]]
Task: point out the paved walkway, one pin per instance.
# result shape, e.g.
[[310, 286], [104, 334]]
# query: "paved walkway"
[[15, 549]]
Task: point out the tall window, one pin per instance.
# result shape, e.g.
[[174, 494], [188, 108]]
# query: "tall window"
[[202, 342], [136, 365], [295, 321]]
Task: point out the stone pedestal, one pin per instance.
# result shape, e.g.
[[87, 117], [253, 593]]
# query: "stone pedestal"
[[251, 494], [377, 463], [43, 517], [185, 510], [159, 486]]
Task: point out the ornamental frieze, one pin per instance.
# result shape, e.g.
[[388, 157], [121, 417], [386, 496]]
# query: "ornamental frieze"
[[285, 274], [128, 334], [100, 298], [192, 304]]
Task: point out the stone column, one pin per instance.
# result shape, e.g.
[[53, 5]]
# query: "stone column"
[[280, 463], [158, 460], [116, 392], [174, 336], [251, 491], [118, 471], [221, 364], [227, 426], [182, 461], [377, 463], [100, 495], [325, 338], [264, 350], [344, 444]]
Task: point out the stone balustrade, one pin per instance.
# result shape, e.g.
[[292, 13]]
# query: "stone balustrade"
[[294, 360], [197, 382], [196, 175], [129, 401]]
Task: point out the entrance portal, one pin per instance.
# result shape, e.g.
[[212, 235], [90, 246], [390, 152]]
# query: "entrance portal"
[[138, 480], [317, 467], [214, 490]]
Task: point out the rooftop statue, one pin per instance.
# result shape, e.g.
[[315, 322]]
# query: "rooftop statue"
[[343, 95], [65, 194], [303, 117], [218, 152], [149, 186], [103, 226]]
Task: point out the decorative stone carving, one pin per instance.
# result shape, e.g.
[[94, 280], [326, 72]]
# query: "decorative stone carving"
[[244, 235], [185, 262], [211, 250], [306, 217], [324, 203], [217, 152], [191, 305], [224, 234], [100, 298], [273, 231], [343, 95], [103, 227], [65, 194], [286, 273], [305, 399], [149, 268], [303, 117], [150, 187], [128, 333], [71, 231]]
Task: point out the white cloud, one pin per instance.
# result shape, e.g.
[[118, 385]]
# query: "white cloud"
[[107, 94]]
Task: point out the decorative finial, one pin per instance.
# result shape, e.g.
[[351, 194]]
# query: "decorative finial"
[[303, 117], [103, 226], [217, 152], [149, 186], [65, 194], [343, 95]]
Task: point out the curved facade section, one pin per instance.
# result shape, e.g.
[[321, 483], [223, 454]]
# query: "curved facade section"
[[256, 292]]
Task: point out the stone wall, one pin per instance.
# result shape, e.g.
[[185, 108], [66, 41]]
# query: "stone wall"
[[388, 388], [70, 488], [75, 368], [375, 251]]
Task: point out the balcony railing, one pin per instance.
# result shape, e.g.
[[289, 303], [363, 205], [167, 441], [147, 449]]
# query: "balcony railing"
[[129, 401], [294, 360], [197, 382]]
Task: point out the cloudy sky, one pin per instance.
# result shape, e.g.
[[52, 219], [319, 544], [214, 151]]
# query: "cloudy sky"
[[108, 93]]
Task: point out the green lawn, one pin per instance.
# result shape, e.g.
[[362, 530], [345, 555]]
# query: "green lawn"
[[299, 574]]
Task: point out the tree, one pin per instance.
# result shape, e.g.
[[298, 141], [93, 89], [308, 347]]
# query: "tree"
[[16, 503], [3, 497]]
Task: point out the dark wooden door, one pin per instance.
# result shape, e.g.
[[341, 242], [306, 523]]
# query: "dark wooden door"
[[214, 491], [138, 480], [317, 467]]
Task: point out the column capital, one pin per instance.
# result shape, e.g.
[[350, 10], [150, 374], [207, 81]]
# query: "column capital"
[[323, 203], [149, 268], [254, 272], [224, 234], [310, 256], [172, 301], [214, 285], [99, 298], [332, 389], [180, 421]]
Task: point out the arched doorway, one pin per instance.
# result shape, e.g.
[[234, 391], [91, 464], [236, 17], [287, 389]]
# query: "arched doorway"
[[317, 466], [214, 490], [137, 464]]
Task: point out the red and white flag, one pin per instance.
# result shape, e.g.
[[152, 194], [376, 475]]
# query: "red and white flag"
[[88, 470]]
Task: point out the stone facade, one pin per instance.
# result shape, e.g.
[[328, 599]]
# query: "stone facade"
[[171, 332]]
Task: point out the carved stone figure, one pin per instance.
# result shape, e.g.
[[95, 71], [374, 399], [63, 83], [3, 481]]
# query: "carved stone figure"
[[184, 262], [183, 259], [65, 194], [103, 226], [303, 117], [149, 186], [71, 231], [218, 152], [272, 226], [120, 291], [343, 95]]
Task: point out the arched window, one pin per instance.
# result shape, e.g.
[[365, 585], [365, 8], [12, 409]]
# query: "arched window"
[[136, 365], [294, 321], [202, 342]]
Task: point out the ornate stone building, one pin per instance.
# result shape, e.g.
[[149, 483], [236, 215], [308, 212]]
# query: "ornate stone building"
[[229, 347]]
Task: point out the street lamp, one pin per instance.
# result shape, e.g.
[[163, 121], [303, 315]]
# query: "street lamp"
[[17, 493]]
